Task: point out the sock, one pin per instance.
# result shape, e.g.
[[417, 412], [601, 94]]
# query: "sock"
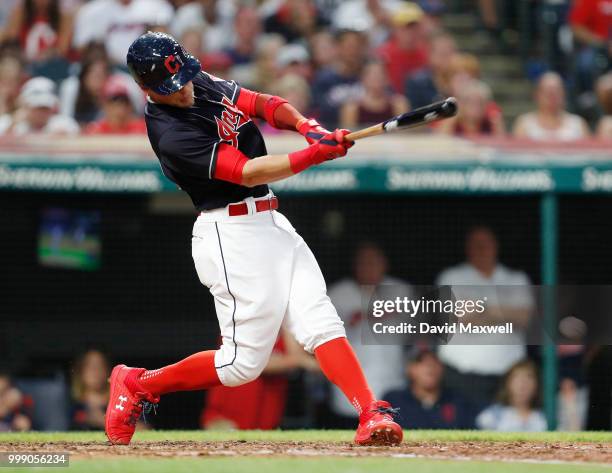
[[340, 365], [194, 372]]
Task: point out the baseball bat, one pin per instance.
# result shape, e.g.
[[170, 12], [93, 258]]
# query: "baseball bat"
[[418, 117]]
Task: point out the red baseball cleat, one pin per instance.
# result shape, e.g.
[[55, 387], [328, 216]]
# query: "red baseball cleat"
[[125, 404], [376, 426]]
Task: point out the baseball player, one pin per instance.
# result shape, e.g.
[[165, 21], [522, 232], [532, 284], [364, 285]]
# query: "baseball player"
[[258, 269]]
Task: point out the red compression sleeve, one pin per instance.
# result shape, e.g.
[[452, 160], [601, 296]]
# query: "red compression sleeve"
[[230, 163], [247, 99], [192, 373], [340, 365], [302, 159]]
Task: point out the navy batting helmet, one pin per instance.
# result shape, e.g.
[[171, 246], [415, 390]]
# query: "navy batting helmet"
[[159, 63]]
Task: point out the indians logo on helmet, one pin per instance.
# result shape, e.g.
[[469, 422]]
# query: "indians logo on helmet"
[[173, 64]]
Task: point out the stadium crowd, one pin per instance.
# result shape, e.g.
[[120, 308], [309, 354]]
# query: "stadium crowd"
[[348, 63]]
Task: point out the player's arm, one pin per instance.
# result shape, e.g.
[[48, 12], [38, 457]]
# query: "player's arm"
[[233, 166], [279, 113]]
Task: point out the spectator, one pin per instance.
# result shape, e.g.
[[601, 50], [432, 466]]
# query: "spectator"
[[117, 23], [382, 364], [323, 49], [377, 102], [465, 68], [81, 96], [294, 20], [339, 83], [118, 114], [90, 391], [424, 403], [14, 406], [266, 64], [247, 28], [294, 59], [604, 94], [406, 51], [12, 76], [259, 404], [432, 21], [373, 16], [515, 409], [475, 363], [591, 22], [550, 121], [37, 113], [431, 83], [41, 28], [572, 405], [213, 17], [472, 119]]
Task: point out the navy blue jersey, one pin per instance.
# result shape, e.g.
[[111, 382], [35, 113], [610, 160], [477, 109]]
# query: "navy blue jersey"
[[186, 141]]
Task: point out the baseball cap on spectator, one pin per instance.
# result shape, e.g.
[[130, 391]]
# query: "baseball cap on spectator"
[[292, 54], [38, 92], [407, 14], [115, 87], [432, 7], [351, 25], [418, 351]]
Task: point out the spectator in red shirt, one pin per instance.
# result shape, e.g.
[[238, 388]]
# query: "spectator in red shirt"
[[259, 404], [118, 114], [591, 22], [406, 51], [41, 28], [472, 119]]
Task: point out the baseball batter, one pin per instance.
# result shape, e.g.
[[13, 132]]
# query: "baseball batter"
[[258, 269]]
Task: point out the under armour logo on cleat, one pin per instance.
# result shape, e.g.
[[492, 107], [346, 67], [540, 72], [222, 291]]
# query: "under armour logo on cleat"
[[122, 399]]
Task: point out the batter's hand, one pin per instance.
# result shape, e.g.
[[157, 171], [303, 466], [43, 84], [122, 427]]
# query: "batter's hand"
[[333, 145], [311, 130], [330, 146]]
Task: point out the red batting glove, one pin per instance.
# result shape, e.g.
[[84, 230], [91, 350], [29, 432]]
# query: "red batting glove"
[[311, 130], [330, 146]]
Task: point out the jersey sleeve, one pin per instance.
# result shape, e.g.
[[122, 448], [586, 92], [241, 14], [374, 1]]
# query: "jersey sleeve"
[[191, 152], [187, 150]]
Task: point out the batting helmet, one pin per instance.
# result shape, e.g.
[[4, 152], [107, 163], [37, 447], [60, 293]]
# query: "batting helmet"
[[159, 63]]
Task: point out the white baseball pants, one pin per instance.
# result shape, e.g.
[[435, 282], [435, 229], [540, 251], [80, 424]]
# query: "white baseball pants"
[[260, 273]]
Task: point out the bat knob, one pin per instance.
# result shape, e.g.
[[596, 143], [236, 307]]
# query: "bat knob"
[[449, 107]]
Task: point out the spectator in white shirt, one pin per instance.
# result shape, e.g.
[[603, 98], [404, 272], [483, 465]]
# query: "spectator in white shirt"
[[37, 113], [382, 364], [117, 23], [515, 410], [550, 121], [475, 363], [215, 19]]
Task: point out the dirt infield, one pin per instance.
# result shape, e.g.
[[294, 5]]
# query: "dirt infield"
[[591, 452]]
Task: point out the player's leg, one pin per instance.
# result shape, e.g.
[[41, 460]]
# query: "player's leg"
[[250, 286], [315, 324]]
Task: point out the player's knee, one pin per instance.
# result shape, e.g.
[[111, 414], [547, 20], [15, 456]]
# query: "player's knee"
[[243, 371], [313, 340]]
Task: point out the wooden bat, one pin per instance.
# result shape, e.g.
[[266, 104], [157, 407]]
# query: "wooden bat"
[[421, 116]]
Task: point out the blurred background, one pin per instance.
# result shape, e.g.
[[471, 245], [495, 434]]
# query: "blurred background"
[[95, 242]]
